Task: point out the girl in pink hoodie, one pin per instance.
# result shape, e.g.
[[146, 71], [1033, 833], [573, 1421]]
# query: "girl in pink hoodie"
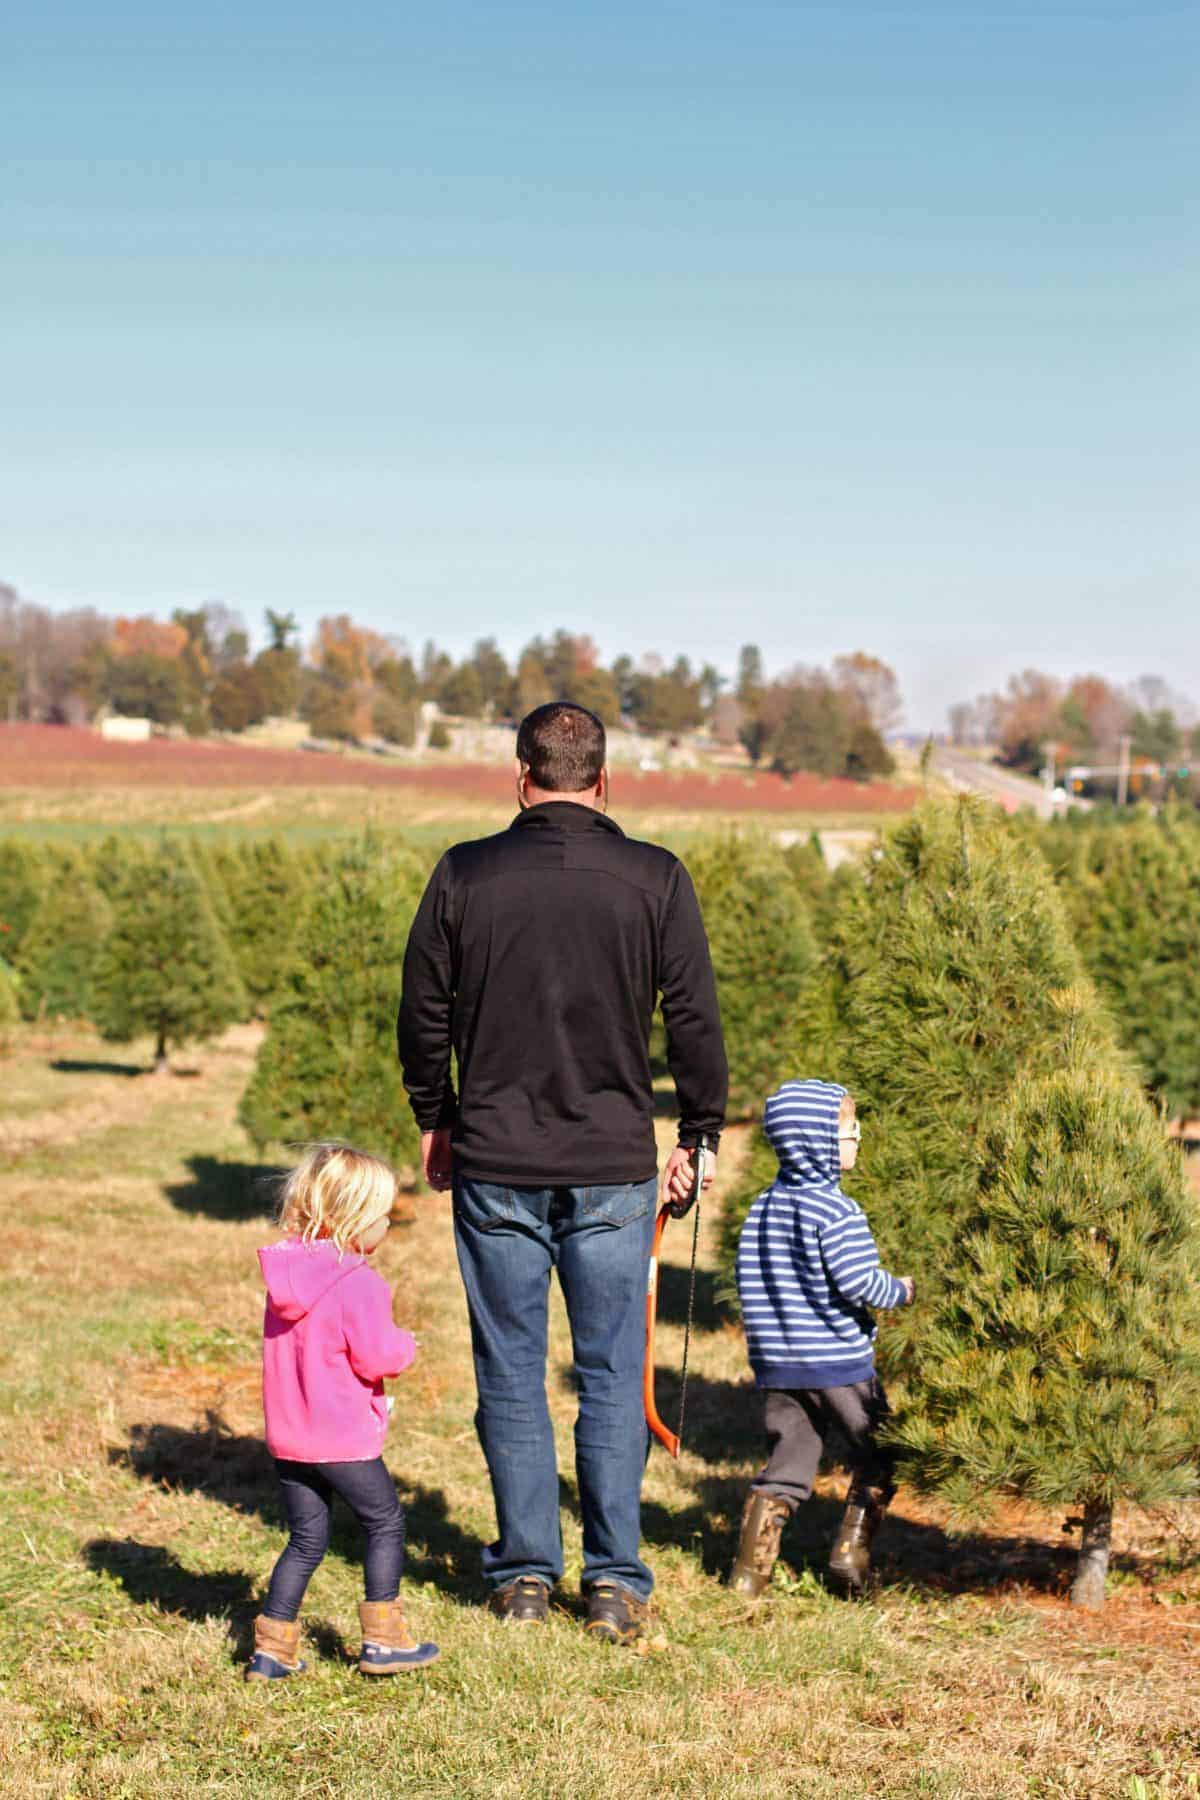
[[328, 1343]]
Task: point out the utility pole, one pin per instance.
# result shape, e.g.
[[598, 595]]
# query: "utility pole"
[[1123, 771], [1048, 778]]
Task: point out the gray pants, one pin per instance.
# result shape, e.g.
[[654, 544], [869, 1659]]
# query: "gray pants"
[[800, 1420]]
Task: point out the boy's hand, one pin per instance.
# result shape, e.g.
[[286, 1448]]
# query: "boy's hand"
[[437, 1164], [909, 1287]]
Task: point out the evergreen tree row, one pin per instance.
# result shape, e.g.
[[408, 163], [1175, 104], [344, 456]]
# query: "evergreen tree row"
[[1132, 891]]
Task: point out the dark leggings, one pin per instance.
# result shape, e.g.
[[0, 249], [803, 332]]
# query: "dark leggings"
[[308, 1490]]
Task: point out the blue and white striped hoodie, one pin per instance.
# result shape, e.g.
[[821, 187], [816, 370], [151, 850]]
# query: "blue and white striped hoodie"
[[807, 1266]]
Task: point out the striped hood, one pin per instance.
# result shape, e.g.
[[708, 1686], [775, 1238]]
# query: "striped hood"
[[808, 1271], [800, 1121]]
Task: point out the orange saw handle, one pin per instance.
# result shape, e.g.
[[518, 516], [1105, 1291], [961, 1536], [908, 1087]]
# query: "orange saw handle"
[[663, 1433]]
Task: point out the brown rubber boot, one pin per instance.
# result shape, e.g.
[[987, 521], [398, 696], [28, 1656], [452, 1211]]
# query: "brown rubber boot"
[[763, 1519], [388, 1645], [276, 1647], [850, 1560]]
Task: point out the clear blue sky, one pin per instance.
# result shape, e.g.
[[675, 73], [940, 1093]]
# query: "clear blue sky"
[[851, 326]]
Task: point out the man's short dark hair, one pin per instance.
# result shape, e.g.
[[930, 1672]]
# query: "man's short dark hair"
[[563, 746]]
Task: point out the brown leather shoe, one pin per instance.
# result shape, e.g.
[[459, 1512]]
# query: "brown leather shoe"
[[763, 1519], [850, 1561], [525, 1601], [614, 1614]]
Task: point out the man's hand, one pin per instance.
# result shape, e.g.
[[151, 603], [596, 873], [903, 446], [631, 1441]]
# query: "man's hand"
[[680, 1174], [437, 1163]]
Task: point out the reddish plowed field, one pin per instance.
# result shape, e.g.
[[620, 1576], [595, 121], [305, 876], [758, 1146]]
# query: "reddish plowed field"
[[58, 756]]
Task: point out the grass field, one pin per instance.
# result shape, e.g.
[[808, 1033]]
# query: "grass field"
[[139, 1524], [64, 782]]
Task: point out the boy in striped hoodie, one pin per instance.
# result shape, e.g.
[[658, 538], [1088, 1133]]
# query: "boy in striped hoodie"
[[807, 1272]]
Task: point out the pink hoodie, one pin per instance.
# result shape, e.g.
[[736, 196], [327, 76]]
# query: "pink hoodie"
[[328, 1341]]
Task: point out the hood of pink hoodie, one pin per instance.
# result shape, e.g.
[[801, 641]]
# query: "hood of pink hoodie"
[[298, 1274]]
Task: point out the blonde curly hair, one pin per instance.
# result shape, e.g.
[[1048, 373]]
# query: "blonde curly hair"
[[336, 1192]]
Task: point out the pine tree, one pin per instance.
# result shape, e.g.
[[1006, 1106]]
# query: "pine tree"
[[166, 968], [10, 1010], [328, 1066], [219, 866], [265, 885], [113, 860], [1063, 1361], [1132, 890], [22, 879], [764, 956], [944, 959], [61, 949]]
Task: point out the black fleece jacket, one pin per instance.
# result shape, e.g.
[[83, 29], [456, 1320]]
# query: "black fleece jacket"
[[539, 954]]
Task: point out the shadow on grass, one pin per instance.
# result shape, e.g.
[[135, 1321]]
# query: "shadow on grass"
[[673, 1286], [65, 1065], [153, 1576], [239, 1472], [226, 1189]]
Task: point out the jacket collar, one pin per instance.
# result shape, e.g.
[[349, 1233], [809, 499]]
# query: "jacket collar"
[[564, 815]]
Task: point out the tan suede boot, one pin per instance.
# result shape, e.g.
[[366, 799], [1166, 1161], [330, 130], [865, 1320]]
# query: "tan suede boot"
[[763, 1519], [276, 1650], [850, 1561], [388, 1645]]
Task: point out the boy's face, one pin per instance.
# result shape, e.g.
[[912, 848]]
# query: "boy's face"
[[848, 1135]]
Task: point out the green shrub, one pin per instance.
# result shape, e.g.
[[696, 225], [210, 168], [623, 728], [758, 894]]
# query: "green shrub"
[[945, 958], [1132, 890], [764, 957], [22, 879], [61, 949], [328, 1066], [166, 968], [1063, 1362], [265, 887], [10, 1010]]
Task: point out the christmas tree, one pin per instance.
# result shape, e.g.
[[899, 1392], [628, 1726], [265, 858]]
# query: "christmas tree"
[[945, 955], [22, 879], [10, 1010], [764, 955], [328, 1065], [265, 887], [61, 949], [1132, 890], [166, 968], [111, 862], [1062, 1363]]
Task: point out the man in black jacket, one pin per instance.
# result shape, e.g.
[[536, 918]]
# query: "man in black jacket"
[[539, 955]]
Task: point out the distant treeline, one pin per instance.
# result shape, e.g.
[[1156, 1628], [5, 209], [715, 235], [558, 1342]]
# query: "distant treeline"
[[196, 672], [1081, 723]]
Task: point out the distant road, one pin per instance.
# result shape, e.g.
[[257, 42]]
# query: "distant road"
[[973, 774]]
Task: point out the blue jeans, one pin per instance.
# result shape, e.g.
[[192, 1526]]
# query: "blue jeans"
[[599, 1240], [307, 1490]]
